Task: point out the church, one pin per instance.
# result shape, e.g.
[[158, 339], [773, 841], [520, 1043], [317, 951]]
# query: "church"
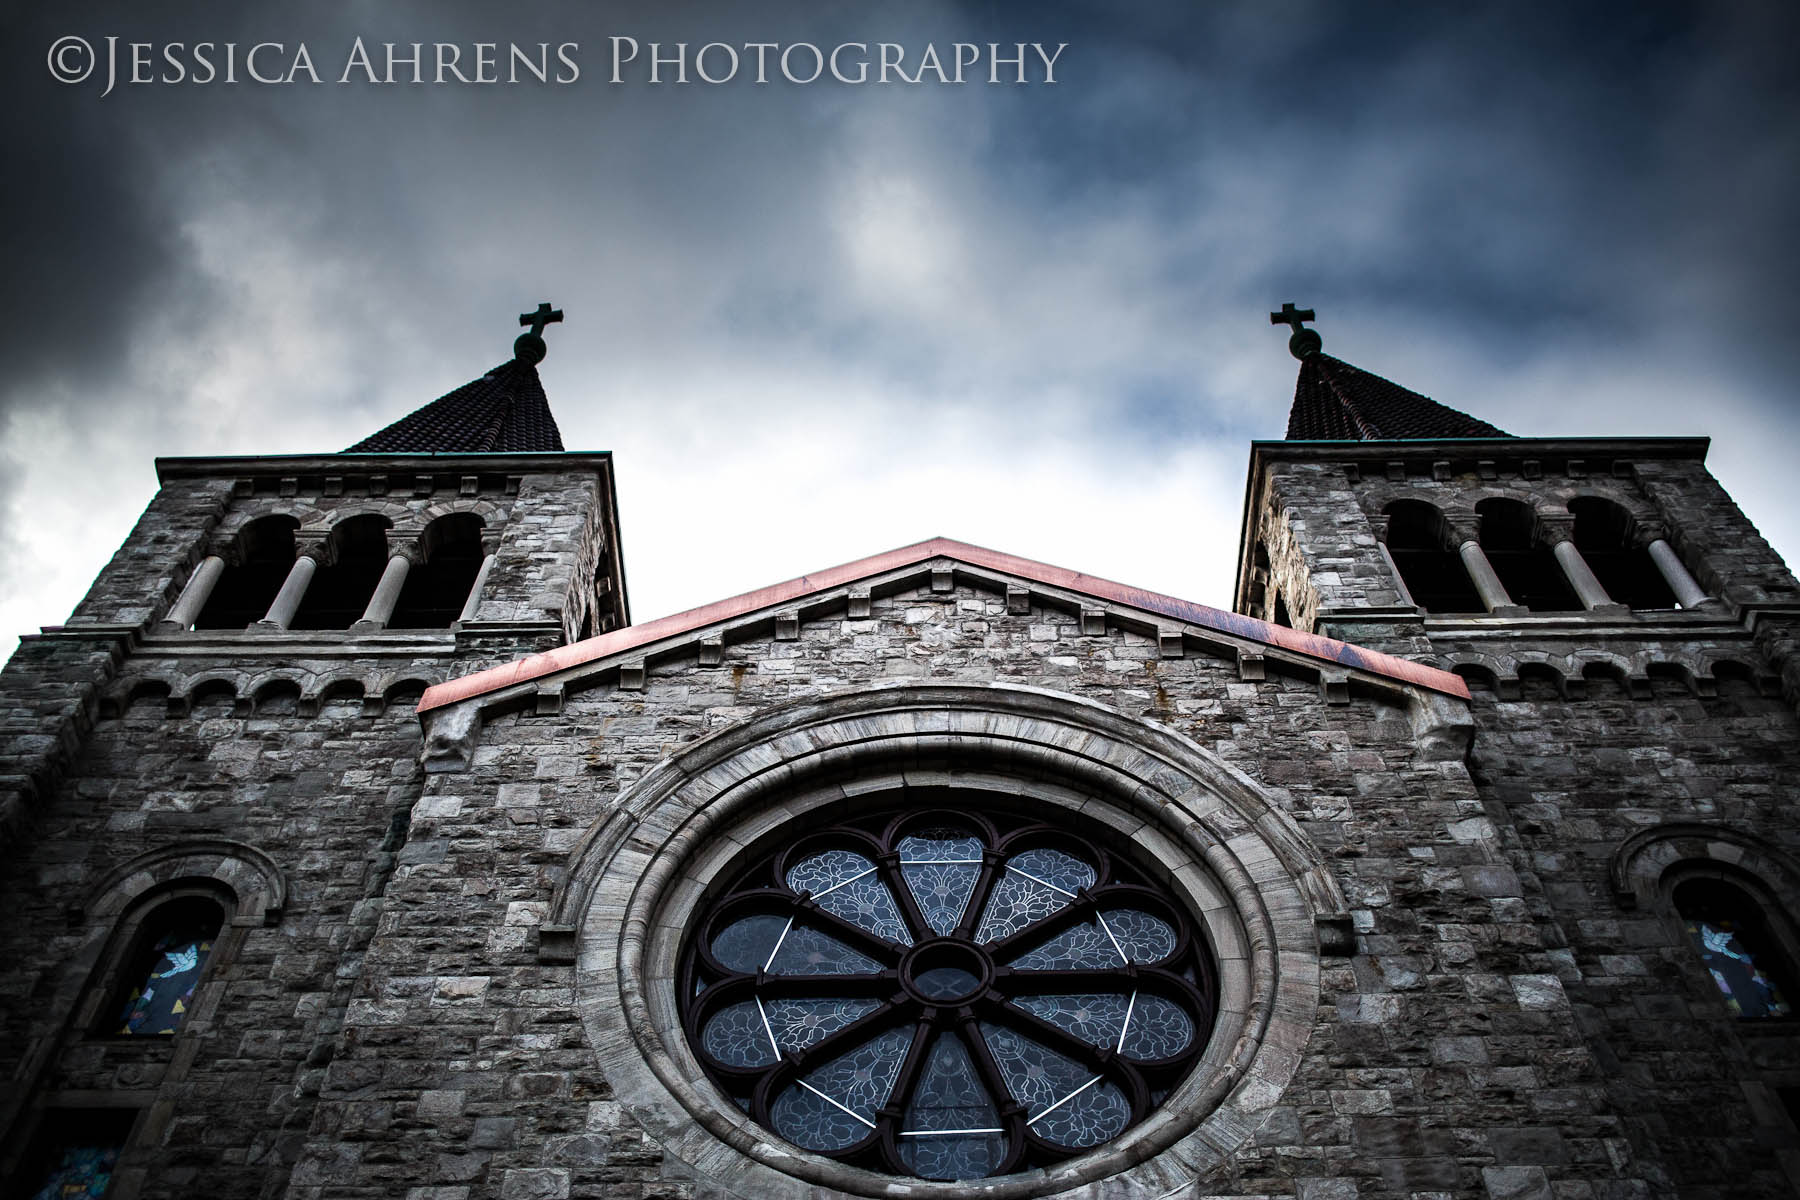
[[354, 842]]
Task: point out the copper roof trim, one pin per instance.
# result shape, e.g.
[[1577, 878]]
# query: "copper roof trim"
[[562, 658]]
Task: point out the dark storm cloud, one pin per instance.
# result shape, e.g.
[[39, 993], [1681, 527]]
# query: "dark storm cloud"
[[1545, 214]]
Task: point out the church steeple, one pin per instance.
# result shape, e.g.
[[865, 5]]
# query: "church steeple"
[[505, 411], [1334, 401]]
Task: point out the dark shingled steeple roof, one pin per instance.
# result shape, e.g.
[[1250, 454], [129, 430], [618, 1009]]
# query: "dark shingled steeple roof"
[[1334, 401], [504, 411]]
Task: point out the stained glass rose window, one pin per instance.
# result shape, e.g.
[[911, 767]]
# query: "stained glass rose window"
[[946, 994]]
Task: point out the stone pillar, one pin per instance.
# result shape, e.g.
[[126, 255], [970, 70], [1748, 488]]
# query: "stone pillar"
[[1387, 556], [474, 600], [387, 594], [293, 590], [195, 595], [1688, 593], [1481, 574], [1560, 533]]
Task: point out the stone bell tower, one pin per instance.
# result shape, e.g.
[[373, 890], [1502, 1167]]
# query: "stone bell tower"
[[1629, 641]]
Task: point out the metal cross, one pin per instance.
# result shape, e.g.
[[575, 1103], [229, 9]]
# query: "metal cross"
[[545, 315], [1289, 315]]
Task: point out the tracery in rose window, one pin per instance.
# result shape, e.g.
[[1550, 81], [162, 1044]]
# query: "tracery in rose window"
[[947, 994]]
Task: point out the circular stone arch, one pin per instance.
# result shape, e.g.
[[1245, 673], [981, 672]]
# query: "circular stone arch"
[[1202, 829]]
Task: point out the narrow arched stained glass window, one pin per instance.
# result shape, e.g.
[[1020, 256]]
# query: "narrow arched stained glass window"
[[159, 986], [1728, 931], [947, 994]]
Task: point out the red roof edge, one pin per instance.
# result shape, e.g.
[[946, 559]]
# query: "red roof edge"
[[537, 666]]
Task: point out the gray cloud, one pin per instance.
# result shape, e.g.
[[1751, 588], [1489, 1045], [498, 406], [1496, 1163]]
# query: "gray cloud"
[[1566, 220]]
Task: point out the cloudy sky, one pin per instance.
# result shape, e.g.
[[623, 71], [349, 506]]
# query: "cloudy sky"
[[818, 320]]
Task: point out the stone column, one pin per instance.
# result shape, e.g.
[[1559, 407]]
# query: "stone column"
[[1688, 593], [1481, 571], [195, 595], [474, 600], [293, 590], [387, 594], [1560, 533], [1387, 556]]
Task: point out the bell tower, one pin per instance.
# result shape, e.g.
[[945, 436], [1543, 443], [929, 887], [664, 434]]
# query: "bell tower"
[[1629, 641]]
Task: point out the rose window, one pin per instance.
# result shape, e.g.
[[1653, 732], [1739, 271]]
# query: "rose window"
[[949, 995]]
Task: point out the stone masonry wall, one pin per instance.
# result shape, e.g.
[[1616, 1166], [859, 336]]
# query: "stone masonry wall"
[[1591, 730], [1444, 1059], [230, 1098]]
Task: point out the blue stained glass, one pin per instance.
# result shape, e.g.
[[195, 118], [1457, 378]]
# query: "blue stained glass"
[[1143, 938], [736, 1037], [809, 1120], [845, 884], [945, 844], [1036, 884], [942, 891], [745, 945], [1083, 947], [1095, 1019], [806, 951], [160, 999], [1059, 870], [81, 1172], [947, 1098], [1741, 980], [1159, 1029], [834, 1106], [1036, 1075], [800, 1023], [940, 867], [1086, 1118]]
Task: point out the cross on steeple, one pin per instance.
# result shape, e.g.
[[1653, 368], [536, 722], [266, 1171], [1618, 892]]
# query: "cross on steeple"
[[1304, 341], [545, 315], [530, 348]]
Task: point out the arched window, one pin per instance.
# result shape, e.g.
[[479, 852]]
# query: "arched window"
[[1737, 947], [1604, 535], [167, 957], [436, 589], [264, 556], [1525, 565], [1423, 550], [340, 590]]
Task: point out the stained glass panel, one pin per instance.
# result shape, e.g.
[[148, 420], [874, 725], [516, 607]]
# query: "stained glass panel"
[[1037, 883], [846, 885], [80, 1172], [736, 1037], [1095, 1019], [806, 951], [1740, 978], [1143, 938], [800, 1023], [1159, 1028], [160, 996], [746, 945], [951, 1129], [1086, 1117], [1084, 947], [1036, 1075]]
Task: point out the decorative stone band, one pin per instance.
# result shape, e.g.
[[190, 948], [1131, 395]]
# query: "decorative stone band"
[[638, 881], [633, 637]]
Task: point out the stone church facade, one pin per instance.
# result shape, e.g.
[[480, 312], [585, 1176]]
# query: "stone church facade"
[[356, 843]]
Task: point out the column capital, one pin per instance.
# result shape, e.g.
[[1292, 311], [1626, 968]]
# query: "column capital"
[[1645, 532], [317, 549], [1554, 528]]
